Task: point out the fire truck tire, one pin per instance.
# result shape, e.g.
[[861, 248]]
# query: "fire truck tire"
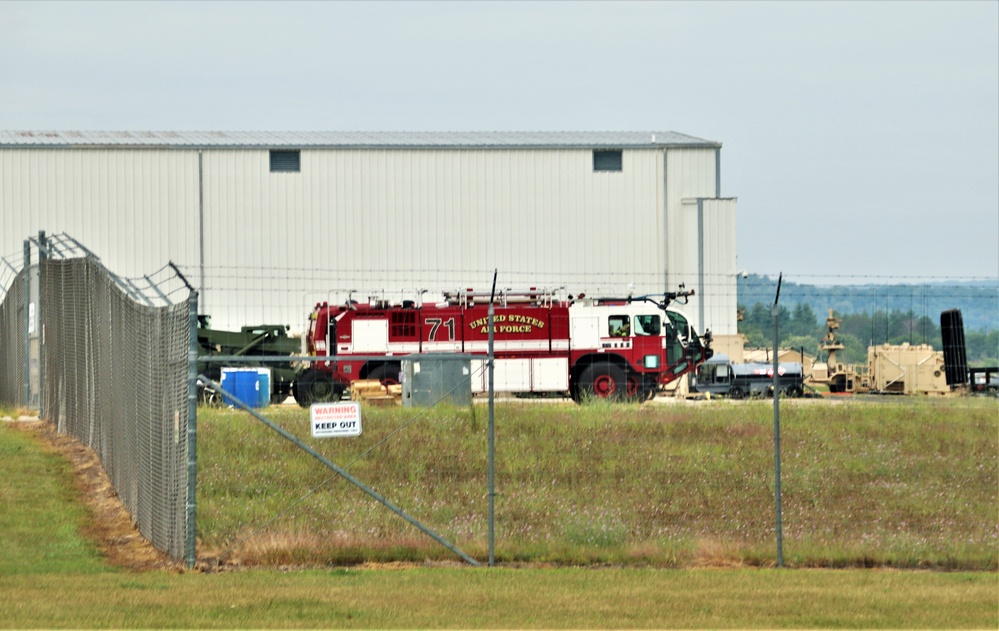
[[388, 374], [635, 390], [737, 393], [604, 381], [316, 387], [638, 390], [793, 392]]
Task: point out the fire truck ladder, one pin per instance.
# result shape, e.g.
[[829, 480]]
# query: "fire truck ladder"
[[543, 297]]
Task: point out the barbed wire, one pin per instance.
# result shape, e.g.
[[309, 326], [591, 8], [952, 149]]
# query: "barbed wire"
[[656, 277], [256, 283], [987, 294]]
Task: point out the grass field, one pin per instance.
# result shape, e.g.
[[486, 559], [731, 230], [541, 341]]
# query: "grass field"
[[503, 598], [903, 483], [51, 576]]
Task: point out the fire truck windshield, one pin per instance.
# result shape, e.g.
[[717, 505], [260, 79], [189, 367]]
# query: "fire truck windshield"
[[682, 328]]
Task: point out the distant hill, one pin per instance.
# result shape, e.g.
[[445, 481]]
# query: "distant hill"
[[978, 300]]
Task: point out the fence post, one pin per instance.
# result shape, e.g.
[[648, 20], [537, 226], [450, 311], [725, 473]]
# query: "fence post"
[[492, 439], [777, 490], [192, 429], [43, 255], [27, 322], [492, 423]]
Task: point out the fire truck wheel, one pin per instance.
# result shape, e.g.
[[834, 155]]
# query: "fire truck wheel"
[[638, 390], [388, 374], [635, 387], [793, 392], [737, 393], [316, 387], [605, 381]]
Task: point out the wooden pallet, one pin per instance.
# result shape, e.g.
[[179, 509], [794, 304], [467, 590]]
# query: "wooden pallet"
[[372, 391]]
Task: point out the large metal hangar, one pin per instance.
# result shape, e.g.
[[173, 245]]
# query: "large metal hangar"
[[267, 224]]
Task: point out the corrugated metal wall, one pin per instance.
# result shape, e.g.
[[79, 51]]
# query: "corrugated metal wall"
[[700, 231], [134, 208], [718, 267], [367, 219]]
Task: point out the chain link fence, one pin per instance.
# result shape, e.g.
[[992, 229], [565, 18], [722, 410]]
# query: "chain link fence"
[[115, 377], [114, 372], [13, 342]]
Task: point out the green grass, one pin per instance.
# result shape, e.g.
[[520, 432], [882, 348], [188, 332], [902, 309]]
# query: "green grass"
[[52, 577], [9, 411], [903, 483], [40, 520], [504, 598]]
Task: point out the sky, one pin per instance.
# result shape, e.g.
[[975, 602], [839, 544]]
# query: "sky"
[[860, 138]]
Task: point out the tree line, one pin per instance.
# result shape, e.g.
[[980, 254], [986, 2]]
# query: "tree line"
[[799, 327], [978, 300]]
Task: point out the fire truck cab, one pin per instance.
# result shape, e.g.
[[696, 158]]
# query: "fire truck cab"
[[542, 342]]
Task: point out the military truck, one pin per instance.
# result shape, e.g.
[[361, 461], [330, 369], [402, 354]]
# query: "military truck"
[[249, 341]]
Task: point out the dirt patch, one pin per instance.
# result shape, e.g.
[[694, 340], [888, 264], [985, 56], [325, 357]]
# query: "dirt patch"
[[111, 525]]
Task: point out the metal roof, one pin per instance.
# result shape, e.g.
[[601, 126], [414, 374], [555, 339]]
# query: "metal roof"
[[351, 139]]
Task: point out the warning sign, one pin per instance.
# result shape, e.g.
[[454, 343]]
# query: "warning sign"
[[335, 419]]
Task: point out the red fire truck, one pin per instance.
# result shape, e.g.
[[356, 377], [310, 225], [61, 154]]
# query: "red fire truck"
[[544, 342]]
